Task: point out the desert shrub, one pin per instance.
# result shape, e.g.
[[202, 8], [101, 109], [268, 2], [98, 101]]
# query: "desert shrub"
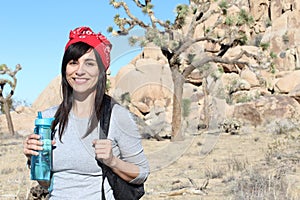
[[224, 6], [244, 18], [214, 172], [7, 171], [284, 148], [268, 22], [282, 127], [272, 68], [253, 184], [186, 107], [265, 46], [229, 20], [125, 97], [231, 126], [273, 55], [243, 99], [234, 164]]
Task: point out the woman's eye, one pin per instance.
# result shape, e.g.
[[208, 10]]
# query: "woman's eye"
[[91, 64], [73, 62]]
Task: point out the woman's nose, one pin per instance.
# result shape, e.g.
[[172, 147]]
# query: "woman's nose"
[[80, 69]]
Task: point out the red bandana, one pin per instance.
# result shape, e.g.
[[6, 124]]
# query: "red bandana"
[[97, 41]]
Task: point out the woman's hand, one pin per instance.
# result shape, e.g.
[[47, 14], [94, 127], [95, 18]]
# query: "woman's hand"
[[103, 151], [32, 144]]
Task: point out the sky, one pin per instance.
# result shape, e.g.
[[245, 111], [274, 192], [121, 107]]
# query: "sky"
[[33, 33]]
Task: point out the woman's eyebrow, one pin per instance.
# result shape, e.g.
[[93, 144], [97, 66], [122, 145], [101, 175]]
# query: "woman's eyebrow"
[[90, 59]]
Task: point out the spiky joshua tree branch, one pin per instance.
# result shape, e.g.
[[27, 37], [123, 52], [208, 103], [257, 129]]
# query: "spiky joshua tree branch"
[[184, 40]]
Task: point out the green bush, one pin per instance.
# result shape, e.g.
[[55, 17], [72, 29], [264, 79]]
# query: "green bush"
[[186, 107]]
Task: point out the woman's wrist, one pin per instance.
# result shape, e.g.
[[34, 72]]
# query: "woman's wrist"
[[113, 162]]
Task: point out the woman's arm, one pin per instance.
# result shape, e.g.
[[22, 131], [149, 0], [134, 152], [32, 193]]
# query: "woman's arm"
[[123, 150], [127, 171]]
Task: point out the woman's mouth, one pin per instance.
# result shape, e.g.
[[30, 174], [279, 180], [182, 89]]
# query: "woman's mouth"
[[80, 80]]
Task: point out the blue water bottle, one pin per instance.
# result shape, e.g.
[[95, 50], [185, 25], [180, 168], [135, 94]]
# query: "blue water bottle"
[[41, 164]]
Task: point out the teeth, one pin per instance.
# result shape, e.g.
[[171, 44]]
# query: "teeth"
[[80, 80]]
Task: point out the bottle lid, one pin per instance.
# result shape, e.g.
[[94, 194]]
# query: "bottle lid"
[[44, 121]]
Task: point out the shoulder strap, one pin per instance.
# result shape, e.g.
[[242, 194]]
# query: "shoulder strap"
[[107, 104], [121, 189]]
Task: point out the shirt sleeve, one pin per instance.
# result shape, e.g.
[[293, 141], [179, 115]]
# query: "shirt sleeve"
[[123, 129], [50, 112]]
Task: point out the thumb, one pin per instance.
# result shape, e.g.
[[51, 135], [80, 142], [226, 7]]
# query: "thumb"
[[94, 141]]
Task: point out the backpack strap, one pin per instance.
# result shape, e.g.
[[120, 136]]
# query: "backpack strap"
[[107, 104], [121, 189]]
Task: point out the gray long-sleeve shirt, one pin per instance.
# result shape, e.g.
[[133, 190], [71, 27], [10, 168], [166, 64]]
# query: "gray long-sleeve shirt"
[[76, 174]]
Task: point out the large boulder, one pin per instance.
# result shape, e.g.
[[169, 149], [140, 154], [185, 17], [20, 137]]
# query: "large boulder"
[[288, 82], [146, 81], [267, 109], [50, 96], [284, 34]]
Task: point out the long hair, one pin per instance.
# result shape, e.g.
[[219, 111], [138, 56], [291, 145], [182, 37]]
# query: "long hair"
[[74, 52]]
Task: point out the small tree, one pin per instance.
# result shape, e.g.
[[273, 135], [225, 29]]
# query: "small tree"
[[182, 41], [6, 99]]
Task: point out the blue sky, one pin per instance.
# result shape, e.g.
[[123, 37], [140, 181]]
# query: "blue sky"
[[33, 33]]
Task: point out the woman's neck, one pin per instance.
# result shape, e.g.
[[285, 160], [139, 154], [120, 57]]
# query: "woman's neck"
[[83, 105]]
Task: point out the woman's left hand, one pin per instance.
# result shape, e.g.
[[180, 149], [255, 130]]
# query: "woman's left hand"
[[103, 151]]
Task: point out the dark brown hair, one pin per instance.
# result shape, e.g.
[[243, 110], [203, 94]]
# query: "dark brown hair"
[[74, 52]]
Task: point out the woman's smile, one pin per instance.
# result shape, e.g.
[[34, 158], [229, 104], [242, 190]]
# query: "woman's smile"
[[80, 80]]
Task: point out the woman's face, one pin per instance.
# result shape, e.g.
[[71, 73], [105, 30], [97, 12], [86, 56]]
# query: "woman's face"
[[83, 74]]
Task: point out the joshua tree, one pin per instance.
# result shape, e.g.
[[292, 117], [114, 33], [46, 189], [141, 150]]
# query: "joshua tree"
[[6, 99], [184, 41]]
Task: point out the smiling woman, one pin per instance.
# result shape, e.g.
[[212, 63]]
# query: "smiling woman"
[[80, 158]]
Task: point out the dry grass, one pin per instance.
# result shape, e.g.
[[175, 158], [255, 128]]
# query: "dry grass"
[[252, 165], [271, 179]]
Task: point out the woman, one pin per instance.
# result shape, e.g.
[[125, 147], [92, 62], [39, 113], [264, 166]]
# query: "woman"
[[76, 144]]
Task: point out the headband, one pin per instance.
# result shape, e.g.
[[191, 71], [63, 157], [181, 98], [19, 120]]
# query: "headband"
[[98, 41]]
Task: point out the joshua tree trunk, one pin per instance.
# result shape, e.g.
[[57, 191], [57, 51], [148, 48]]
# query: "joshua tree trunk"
[[178, 81], [4, 101], [206, 103], [8, 118]]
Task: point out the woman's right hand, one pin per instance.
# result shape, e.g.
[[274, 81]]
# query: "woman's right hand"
[[32, 144]]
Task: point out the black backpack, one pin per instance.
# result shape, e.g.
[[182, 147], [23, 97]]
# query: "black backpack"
[[122, 190]]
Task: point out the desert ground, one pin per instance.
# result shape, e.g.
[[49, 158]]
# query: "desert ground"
[[253, 164]]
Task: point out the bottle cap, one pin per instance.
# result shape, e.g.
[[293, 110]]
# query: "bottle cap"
[[44, 121]]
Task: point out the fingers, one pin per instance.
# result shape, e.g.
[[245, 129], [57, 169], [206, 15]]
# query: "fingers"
[[105, 142], [103, 149], [32, 145]]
